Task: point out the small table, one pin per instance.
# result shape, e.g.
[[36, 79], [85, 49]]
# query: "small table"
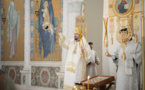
[[100, 81]]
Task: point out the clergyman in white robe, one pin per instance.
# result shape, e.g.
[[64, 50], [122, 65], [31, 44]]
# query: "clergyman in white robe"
[[127, 74], [92, 69], [75, 68]]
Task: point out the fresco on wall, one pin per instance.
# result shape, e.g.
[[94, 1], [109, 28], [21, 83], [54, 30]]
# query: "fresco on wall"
[[13, 19], [13, 72], [47, 34], [13, 31], [44, 37]]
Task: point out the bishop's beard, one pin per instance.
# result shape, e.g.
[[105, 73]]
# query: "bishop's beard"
[[76, 39]]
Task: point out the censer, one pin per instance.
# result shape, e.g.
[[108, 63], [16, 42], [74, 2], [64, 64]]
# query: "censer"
[[79, 86]]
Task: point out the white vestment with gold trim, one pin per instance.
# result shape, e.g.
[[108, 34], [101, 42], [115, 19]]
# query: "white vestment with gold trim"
[[128, 77], [75, 68]]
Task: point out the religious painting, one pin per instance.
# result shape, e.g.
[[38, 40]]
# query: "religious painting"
[[46, 39], [12, 28], [123, 7], [46, 31], [13, 31]]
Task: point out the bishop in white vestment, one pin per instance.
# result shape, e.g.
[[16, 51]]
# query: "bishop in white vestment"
[[78, 54], [92, 62], [127, 74]]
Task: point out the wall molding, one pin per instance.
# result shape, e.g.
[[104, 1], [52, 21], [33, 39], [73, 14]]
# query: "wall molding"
[[46, 63], [12, 63], [23, 87]]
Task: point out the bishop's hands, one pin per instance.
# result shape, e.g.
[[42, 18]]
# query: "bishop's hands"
[[82, 50], [109, 55], [93, 63]]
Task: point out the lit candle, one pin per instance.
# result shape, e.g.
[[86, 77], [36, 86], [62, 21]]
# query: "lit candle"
[[88, 81]]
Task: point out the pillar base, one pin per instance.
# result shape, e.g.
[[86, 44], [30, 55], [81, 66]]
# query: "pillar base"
[[25, 78], [60, 76]]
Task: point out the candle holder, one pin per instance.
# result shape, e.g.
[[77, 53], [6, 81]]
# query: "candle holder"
[[79, 86], [78, 83], [4, 19], [37, 8], [37, 13], [94, 88], [88, 82]]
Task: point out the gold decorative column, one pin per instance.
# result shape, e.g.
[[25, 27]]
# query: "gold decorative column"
[[143, 51], [136, 25], [106, 35], [111, 28]]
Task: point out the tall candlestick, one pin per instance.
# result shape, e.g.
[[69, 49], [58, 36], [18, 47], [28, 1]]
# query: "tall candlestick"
[[88, 81]]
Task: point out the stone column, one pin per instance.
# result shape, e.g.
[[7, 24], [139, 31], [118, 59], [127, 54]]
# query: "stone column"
[[27, 35], [65, 30], [25, 73], [74, 10]]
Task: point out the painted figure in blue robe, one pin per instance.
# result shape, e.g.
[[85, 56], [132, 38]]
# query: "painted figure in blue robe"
[[47, 34]]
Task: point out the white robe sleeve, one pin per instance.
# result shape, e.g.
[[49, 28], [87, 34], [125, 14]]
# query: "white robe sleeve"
[[87, 49], [62, 42], [138, 54], [116, 56], [88, 62], [138, 60]]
